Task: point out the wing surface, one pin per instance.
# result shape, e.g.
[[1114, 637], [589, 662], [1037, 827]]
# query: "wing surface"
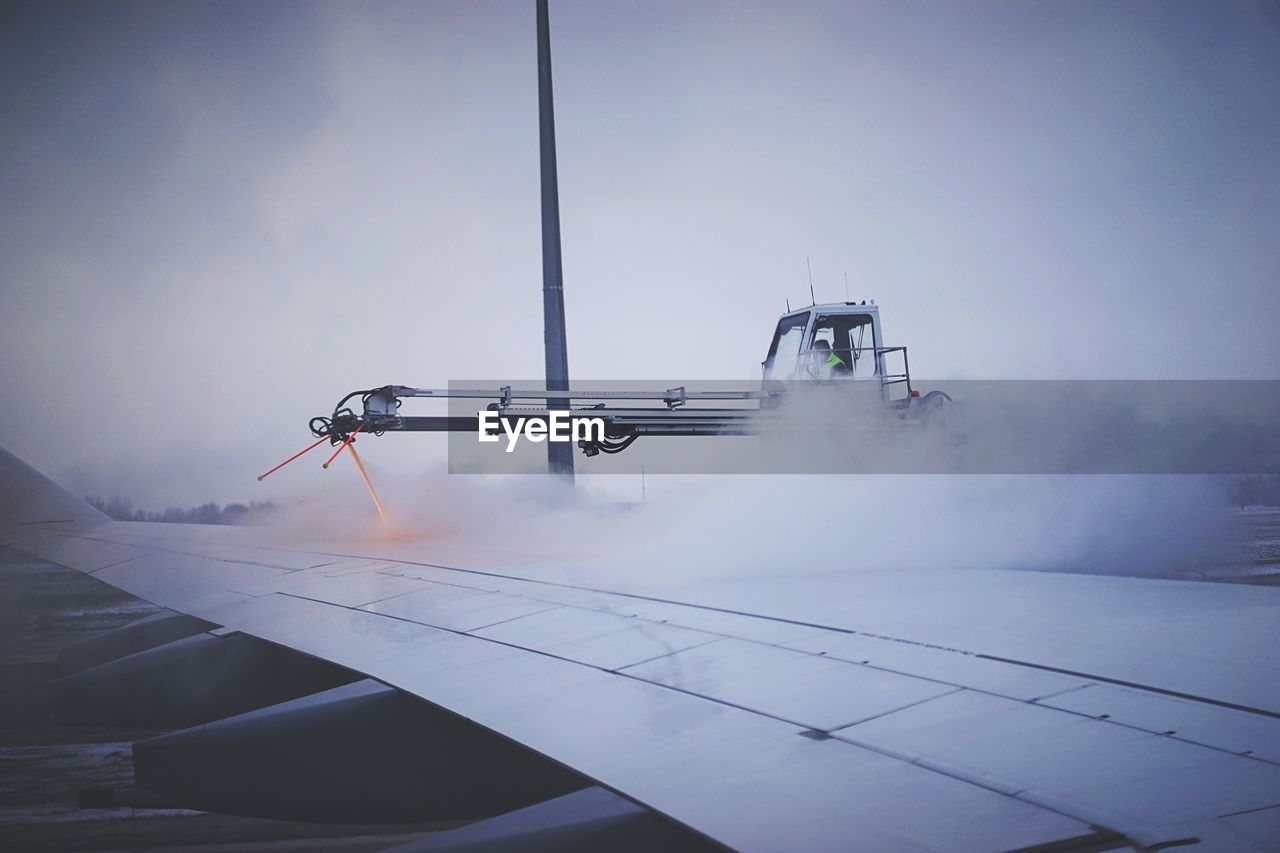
[[880, 720]]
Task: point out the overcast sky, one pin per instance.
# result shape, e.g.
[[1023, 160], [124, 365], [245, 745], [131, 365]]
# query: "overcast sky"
[[217, 218]]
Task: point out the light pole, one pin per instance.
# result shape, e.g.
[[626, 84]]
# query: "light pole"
[[559, 454]]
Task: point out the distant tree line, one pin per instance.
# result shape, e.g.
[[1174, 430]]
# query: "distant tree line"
[[1263, 490], [122, 509]]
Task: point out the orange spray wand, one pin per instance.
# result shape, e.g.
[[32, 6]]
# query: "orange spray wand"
[[262, 477]]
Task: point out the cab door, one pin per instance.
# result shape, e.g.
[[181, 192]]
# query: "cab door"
[[852, 337], [783, 359]]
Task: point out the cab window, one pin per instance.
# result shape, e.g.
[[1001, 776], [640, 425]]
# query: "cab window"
[[852, 338], [784, 350]]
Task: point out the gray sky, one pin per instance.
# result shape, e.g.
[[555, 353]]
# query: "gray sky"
[[215, 219]]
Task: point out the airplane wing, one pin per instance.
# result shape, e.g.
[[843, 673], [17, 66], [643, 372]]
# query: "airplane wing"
[[978, 710]]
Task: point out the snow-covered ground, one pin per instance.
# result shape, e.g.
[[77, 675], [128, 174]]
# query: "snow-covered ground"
[[1256, 545]]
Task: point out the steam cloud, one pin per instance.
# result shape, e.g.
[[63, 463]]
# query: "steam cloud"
[[691, 529]]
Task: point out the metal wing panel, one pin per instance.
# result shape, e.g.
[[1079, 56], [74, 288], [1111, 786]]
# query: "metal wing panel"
[[457, 608], [275, 558], [184, 583], [1182, 636], [1109, 773], [809, 690], [83, 555], [947, 665], [748, 781], [595, 638], [1259, 829], [349, 589], [746, 627], [1212, 725], [455, 577]]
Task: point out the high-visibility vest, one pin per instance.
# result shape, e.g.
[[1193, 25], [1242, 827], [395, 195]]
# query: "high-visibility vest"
[[828, 367]]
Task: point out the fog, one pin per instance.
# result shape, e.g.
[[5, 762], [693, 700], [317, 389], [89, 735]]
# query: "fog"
[[677, 530]]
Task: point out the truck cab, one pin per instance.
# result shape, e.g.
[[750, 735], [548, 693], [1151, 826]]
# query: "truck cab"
[[805, 339]]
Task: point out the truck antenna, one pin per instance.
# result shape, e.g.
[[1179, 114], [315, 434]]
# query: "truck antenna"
[[846, 287], [812, 300], [788, 311]]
